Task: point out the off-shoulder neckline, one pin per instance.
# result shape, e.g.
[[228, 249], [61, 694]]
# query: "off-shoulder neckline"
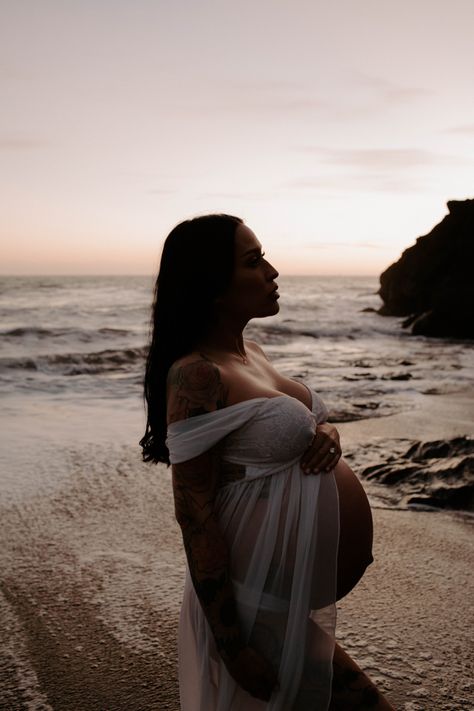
[[250, 400]]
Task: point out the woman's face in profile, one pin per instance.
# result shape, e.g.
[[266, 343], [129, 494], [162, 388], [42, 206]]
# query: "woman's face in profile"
[[252, 292]]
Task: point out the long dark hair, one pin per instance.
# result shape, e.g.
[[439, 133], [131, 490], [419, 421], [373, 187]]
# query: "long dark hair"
[[196, 267]]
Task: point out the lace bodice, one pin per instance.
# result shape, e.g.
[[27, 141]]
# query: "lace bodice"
[[280, 430], [260, 431]]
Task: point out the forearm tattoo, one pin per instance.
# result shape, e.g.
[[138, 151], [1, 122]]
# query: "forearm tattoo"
[[196, 388], [206, 551]]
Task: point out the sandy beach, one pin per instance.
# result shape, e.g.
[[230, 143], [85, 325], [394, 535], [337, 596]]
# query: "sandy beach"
[[92, 574]]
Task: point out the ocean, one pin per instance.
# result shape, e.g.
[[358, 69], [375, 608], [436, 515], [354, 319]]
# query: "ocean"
[[91, 555], [72, 353]]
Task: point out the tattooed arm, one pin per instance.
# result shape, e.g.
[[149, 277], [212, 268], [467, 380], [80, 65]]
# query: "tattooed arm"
[[195, 388]]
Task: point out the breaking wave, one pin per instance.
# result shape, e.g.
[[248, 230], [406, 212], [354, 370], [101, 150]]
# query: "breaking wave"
[[78, 363]]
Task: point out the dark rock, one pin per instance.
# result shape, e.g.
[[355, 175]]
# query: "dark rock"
[[397, 376], [459, 498], [440, 448], [336, 416], [433, 281], [360, 376], [408, 321], [310, 334], [438, 473], [389, 474]]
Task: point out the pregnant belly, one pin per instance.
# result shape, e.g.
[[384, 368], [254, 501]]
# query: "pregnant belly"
[[356, 531]]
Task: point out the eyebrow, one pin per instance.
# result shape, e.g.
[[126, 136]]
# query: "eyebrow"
[[250, 251]]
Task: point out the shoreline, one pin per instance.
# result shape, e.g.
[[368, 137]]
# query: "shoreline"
[[426, 417], [93, 569]]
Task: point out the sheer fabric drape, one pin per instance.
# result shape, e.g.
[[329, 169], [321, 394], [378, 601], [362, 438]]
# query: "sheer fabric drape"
[[282, 528]]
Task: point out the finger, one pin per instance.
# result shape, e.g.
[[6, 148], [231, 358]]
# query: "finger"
[[317, 458], [314, 450], [329, 461], [322, 459]]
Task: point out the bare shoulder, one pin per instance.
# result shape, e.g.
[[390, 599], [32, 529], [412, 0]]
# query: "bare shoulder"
[[194, 387], [254, 347]]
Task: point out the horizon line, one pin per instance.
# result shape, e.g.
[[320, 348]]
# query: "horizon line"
[[153, 275]]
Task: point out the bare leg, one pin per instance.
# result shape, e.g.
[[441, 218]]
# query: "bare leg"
[[352, 690]]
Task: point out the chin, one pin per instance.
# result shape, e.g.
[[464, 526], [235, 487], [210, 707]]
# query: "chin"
[[269, 310], [274, 309]]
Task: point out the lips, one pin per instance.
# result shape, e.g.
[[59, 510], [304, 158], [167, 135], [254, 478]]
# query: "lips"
[[274, 293]]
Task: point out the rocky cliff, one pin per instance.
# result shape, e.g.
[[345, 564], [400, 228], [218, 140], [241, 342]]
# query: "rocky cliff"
[[433, 281]]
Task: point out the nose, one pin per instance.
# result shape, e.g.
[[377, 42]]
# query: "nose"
[[272, 272]]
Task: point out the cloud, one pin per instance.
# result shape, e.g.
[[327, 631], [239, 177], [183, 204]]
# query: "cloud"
[[372, 169], [161, 191], [276, 103], [298, 96], [232, 196], [359, 182], [10, 72], [21, 144], [329, 245], [262, 96], [467, 129], [387, 91], [392, 158]]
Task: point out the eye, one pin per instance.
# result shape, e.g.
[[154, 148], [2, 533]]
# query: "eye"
[[257, 259]]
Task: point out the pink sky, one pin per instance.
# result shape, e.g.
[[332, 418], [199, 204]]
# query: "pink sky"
[[338, 131]]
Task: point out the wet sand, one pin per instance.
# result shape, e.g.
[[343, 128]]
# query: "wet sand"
[[92, 574]]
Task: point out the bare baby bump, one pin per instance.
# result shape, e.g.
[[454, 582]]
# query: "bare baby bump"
[[356, 529]]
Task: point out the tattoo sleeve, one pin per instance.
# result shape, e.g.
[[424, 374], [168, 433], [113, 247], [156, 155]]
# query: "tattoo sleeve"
[[194, 389]]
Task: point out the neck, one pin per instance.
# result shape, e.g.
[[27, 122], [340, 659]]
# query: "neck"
[[226, 338]]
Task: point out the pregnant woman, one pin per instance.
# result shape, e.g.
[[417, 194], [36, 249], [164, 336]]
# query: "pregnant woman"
[[276, 527]]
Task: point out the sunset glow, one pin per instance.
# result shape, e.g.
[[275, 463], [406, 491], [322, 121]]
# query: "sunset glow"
[[337, 131]]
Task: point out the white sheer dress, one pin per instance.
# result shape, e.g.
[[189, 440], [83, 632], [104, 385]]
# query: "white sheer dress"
[[282, 528]]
